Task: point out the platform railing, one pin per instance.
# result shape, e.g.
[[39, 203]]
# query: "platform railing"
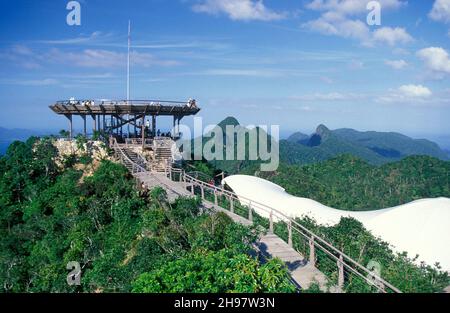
[[120, 102], [138, 141]]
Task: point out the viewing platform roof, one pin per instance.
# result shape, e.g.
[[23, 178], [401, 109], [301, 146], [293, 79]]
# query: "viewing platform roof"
[[121, 107]]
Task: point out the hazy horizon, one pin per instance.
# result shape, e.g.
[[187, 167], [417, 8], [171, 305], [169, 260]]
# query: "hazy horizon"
[[443, 140]]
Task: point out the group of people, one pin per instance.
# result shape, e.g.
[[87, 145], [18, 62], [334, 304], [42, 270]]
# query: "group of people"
[[149, 132], [82, 102], [190, 104]]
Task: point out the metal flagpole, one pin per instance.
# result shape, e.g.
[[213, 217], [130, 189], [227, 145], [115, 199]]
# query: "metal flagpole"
[[128, 62], [128, 72]]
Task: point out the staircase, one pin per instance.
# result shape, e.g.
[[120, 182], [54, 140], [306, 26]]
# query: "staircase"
[[134, 157], [163, 156]]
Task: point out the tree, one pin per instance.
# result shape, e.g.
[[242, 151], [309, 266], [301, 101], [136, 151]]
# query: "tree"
[[64, 133], [216, 271]]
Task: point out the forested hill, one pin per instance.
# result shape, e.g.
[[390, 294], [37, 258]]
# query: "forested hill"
[[127, 240], [374, 147], [391, 144], [123, 239], [349, 183], [324, 145]]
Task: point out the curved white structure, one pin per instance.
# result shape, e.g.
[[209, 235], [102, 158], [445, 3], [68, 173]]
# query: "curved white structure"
[[420, 227]]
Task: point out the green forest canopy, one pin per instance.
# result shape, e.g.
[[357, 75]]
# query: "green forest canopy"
[[124, 240], [348, 183], [130, 241]]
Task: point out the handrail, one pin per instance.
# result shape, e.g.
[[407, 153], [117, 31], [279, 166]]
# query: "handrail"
[[284, 217], [343, 261], [138, 141], [124, 156], [198, 173], [120, 102]]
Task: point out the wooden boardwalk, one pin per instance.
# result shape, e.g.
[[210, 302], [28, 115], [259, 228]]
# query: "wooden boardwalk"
[[152, 180], [302, 272], [269, 245]]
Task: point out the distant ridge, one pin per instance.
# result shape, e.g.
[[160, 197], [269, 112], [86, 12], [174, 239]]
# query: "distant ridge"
[[298, 137], [374, 147], [388, 143]]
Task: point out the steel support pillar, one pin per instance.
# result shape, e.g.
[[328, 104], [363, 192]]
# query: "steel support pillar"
[[153, 125], [84, 125], [94, 124], [173, 128], [143, 132], [69, 117]]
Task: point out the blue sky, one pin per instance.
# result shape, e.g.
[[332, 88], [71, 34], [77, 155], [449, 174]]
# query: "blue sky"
[[293, 63]]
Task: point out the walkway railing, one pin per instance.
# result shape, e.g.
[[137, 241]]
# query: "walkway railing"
[[138, 141], [346, 267], [345, 264], [124, 159], [121, 102]]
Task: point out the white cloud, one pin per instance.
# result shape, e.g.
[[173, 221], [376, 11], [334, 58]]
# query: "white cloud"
[[401, 51], [409, 95], [326, 79], [356, 65], [42, 82], [338, 19], [392, 36], [22, 56], [33, 82], [396, 64], [332, 96], [105, 58], [440, 11], [82, 39], [259, 72], [264, 73], [305, 108], [244, 10], [414, 91], [243, 72], [22, 50], [350, 7], [330, 24], [436, 59], [95, 58]]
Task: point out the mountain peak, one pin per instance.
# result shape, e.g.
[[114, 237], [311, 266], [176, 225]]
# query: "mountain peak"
[[298, 137], [230, 120], [322, 130]]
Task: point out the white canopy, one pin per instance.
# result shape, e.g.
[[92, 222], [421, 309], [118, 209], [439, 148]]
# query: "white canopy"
[[420, 227]]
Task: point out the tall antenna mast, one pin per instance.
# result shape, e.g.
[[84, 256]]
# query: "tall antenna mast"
[[128, 61]]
